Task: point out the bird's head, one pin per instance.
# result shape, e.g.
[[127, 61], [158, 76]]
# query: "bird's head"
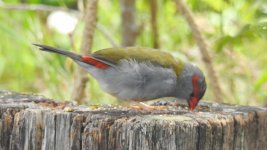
[[198, 90], [192, 85]]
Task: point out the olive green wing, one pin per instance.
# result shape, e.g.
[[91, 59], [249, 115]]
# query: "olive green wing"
[[114, 55]]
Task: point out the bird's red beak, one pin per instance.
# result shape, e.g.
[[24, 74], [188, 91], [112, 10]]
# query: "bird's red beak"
[[192, 104]]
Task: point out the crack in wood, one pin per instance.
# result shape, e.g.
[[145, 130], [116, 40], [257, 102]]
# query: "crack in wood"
[[26, 125]]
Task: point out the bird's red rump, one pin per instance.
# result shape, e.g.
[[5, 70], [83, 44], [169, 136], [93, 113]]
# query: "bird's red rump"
[[94, 62]]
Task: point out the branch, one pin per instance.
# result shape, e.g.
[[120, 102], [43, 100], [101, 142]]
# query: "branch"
[[129, 28], [153, 21], [82, 77], [107, 35], [38, 7], [203, 49]]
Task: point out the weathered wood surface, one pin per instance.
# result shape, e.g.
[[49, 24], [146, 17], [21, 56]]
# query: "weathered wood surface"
[[33, 122]]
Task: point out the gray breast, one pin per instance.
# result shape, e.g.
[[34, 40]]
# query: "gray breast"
[[132, 80]]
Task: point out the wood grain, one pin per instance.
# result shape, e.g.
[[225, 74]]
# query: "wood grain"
[[33, 122]]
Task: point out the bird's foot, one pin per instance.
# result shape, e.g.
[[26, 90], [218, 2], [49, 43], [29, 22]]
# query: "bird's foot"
[[146, 107]]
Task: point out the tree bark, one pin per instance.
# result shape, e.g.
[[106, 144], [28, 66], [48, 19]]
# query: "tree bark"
[[79, 94], [203, 47], [129, 28], [35, 122], [154, 24]]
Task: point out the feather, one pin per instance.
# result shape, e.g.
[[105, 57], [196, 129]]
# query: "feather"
[[86, 58], [156, 57]]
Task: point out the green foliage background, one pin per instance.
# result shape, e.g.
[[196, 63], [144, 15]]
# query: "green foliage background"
[[236, 31]]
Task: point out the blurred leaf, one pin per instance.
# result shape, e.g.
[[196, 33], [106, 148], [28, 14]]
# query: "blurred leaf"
[[208, 5], [261, 80], [9, 31], [259, 29], [248, 32], [2, 66], [217, 5], [262, 11], [69, 3], [220, 44]]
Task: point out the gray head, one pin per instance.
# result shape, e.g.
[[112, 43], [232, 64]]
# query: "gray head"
[[191, 85]]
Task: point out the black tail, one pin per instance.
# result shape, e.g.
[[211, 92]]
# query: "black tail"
[[59, 51]]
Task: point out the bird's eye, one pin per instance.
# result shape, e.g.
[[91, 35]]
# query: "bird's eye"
[[192, 94]]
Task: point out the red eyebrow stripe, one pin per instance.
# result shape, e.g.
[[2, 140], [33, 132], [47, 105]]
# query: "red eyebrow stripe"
[[94, 62], [195, 79]]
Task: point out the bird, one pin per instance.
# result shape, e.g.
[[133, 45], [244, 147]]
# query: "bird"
[[140, 74]]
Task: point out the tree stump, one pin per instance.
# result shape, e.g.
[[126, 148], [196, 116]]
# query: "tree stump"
[[32, 122]]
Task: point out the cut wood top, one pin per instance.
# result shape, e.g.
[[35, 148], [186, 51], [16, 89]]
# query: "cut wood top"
[[204, 109], [210, 126]]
